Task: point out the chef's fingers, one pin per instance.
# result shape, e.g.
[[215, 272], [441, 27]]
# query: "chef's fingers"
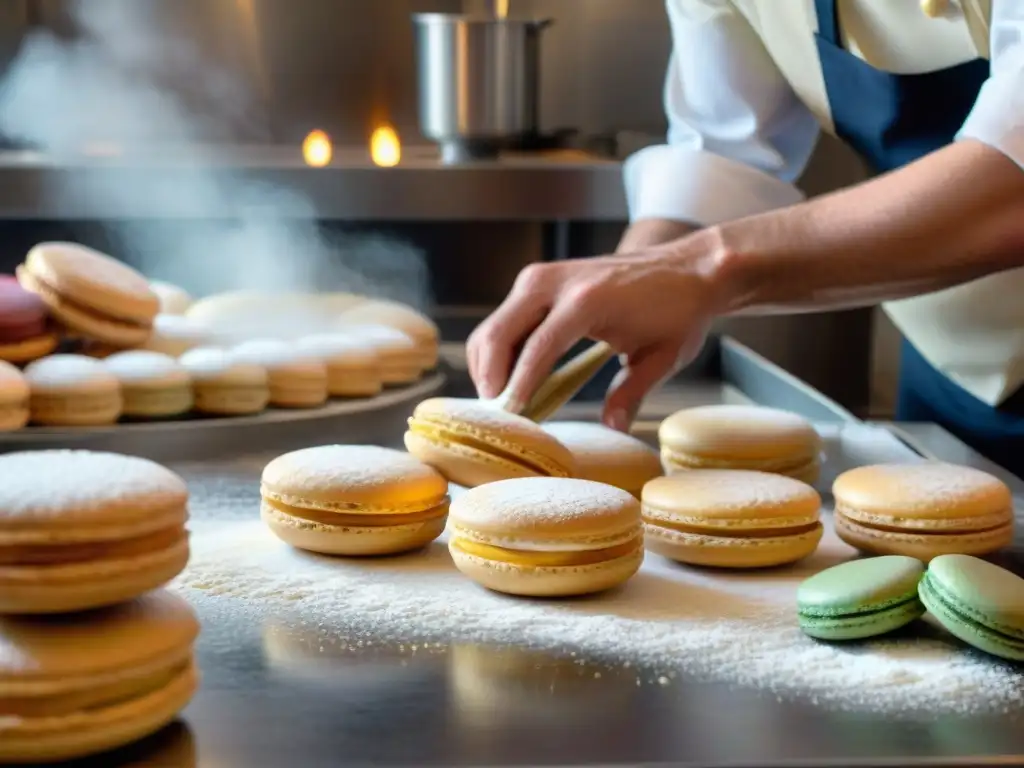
[[492, 346], [561, 329], [640, 373]]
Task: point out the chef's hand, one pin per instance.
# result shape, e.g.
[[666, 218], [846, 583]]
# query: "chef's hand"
[[653, 307]]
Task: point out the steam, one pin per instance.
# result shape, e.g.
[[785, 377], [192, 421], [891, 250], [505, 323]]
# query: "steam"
[[111, 87]]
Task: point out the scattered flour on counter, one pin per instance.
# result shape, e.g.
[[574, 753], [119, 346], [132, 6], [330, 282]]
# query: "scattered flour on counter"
[[738, 628]]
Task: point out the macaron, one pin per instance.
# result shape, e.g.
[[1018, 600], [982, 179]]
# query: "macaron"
[[353, 500], [399, 357], [72, 391], [82, 529], [401, 317], [74, 686], [607, 455], [24, 335], [861, 598], [91, 294], [978, 602], [731, 518], [546, 536], [14, 397], [175, 335], [173, 299], [922, 510], [353, 365], [297, 379], [153, 386], [223, 386], [238, 316], [740, 437], [472, 442]]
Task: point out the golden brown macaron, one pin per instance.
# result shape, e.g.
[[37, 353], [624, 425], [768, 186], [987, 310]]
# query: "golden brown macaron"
[[353, 365], [73, 391], [297, 379], [91, 294], [14, 398], [80, 684], [416, 325], [923, 510], [175, 335], [731, 518], [223, 386], [82, 529], [546, 536], [353, 500], [153, 386], [740, 437], [399, 357], [607, 455], [472, 442]]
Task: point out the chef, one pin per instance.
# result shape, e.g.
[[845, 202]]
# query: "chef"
[[929, 94]]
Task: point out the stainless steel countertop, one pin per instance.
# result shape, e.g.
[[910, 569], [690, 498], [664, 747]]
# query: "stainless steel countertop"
[[545, 186], [284, 691]]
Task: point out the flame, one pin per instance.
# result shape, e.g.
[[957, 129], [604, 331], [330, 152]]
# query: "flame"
[[317, 150], [501, 8], [385, 147]]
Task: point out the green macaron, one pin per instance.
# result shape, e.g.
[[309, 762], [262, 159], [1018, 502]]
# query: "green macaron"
[[861, 598], [977, 601]]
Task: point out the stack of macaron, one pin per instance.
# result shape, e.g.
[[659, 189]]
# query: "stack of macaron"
[[133, 349], [97, 654]]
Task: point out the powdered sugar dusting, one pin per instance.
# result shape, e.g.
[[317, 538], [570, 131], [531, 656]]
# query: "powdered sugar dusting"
[[544, 504], [753, 416], [60, 372], [919, 485], [84, 486], [721, 490], [590, 439]]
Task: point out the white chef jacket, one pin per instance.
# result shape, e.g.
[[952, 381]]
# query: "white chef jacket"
[[746, 101]]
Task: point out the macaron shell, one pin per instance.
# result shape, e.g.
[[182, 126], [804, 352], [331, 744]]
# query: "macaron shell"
[[350, 540], [739, 433], [989, 594], [606, 455], [14, 397], [860, 585], [839, 628], [566, 581], [173, 300], [951, 616], [731, 552], [30, 349], [919, 543], [806, 470]]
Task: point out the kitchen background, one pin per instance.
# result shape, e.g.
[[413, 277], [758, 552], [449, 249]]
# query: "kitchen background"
[[257, 78]]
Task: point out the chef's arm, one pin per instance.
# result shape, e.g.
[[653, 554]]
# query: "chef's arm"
[[956, 215], [738, 135]]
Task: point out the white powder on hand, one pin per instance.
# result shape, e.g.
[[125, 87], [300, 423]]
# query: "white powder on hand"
[[736, 627]]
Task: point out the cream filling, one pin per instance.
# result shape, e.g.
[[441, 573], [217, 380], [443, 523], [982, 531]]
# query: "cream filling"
[[578, 544], [930, 525]]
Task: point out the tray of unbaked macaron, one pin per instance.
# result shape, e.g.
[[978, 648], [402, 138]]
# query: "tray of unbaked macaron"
[[87, 342], [100, 655]]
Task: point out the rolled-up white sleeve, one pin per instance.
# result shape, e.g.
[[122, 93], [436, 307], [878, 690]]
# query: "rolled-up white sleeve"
[[997, 118], [738, 137]]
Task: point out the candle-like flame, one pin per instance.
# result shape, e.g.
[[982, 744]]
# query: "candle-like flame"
[[385, 148], [501, 8], [317, 150]]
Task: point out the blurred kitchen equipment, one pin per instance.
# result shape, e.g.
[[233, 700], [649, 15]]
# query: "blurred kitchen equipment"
[[479, 82]]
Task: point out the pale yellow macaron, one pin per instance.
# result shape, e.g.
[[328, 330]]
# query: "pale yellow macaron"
[[923, 510], [175, 335], [740, 437], [223, 386], [547, 537], [297, 379], [416, 325], [78, 685], [91, 294], [72, 391], [238, 316], [81, 529], [731, 518], [153, 386], [174, 300], [353, 500], [14, 397], [607, 455], [399, 356], [353, 365], [472, 442]]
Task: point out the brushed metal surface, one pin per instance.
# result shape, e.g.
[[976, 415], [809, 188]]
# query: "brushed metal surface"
[[478, 81]]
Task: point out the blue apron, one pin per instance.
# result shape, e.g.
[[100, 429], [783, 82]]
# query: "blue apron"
[[892, 120]]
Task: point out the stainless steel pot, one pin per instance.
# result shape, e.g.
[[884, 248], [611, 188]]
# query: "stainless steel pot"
[[479, 79]]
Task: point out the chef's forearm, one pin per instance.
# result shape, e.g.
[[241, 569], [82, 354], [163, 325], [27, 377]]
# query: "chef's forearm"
[[647, 233], [951, 217]]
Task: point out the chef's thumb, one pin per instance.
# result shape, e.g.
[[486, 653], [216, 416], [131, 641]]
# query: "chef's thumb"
[[640, 374]]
